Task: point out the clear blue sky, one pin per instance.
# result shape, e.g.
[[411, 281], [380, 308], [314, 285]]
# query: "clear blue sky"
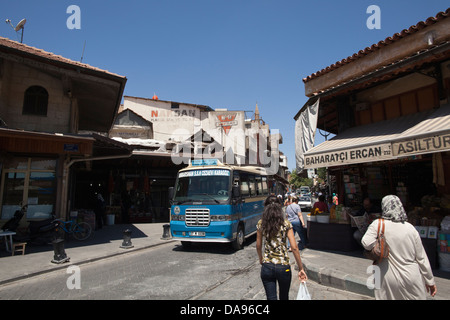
[[221, 53]]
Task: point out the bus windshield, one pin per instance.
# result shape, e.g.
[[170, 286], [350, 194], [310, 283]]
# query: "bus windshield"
[[205, 185]]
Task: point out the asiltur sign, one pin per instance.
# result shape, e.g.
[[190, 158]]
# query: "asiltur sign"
[[422, 145]]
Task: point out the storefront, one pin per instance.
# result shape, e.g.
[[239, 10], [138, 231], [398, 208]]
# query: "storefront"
[[388, 107], [134, 189], [408, 156], [32, 170]]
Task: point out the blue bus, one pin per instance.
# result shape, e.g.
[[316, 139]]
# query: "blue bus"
[[215, 202]]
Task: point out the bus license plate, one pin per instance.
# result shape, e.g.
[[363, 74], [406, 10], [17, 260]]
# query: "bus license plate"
[[197, 233]]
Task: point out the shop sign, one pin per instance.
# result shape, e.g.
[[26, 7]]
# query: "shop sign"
[[131, 132], [355, 155], [70, 147], [158, 114], [204, 173], [422, 145], [226, 121]]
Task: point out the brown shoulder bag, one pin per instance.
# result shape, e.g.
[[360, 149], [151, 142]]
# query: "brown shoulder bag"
[[381, 249]]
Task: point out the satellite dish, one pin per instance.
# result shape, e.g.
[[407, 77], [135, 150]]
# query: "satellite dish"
[[20, 25]]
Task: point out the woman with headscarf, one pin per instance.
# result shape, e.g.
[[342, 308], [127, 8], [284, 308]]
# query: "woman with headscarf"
[[406, 273], [275, 265]]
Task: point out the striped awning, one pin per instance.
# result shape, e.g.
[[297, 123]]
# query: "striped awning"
[[430, 135], [419, 133]]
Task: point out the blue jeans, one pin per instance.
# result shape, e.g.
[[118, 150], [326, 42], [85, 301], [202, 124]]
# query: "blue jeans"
[[273, 273], [297, 227]]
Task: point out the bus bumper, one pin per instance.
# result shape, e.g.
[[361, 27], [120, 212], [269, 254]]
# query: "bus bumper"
[[218, 232]]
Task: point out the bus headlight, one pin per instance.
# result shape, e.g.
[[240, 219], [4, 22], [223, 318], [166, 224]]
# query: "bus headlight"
[[220, 217], [177, 217]]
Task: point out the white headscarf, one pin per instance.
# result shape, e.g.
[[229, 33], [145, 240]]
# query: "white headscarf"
[[392, 209]]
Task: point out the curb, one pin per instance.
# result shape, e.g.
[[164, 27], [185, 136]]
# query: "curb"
[[337, 279]]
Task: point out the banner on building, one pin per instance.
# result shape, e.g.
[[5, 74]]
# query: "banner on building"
[[305, 129]]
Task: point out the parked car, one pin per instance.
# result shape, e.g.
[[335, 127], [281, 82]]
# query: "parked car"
[[305, 191], [305, 203]]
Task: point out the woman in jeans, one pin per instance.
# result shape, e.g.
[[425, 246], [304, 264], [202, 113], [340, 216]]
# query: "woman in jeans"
[[275, 261]]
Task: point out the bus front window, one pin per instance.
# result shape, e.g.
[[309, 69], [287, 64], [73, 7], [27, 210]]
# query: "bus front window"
[[203, 185]]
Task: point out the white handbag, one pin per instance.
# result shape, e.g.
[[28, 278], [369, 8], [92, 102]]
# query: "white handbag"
[[303, 293]]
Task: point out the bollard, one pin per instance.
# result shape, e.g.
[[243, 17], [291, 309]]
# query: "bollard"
[[166, 232], [126, 244], [59, 252]]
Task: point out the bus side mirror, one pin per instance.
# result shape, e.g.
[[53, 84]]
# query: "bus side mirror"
[[236, 191], [171, 192]]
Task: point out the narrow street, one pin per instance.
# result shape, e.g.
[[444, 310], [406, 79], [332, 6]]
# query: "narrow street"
[[167, 272]]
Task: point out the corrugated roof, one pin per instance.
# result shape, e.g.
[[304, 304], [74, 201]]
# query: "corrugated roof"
[[377, 46]]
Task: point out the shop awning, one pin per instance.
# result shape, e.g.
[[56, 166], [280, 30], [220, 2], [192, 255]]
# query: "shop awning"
[[430, 135], [418, 133]]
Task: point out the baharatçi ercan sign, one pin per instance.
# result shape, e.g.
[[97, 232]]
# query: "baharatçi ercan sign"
[[348, 156]]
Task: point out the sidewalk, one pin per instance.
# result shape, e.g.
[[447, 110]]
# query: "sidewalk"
[[104, 243], [346, 271]]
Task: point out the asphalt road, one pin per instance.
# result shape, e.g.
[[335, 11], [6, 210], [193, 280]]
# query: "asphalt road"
[[167, 272]]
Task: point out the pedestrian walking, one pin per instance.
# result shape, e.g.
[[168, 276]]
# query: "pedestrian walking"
[[288, 200], [99, 211], [275, 265], [294, 215], [406, 273]]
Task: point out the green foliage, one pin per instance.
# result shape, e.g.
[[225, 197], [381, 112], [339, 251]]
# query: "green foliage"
[[296, 181]]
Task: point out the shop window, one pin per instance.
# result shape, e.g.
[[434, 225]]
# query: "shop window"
[[31, 181], [35, 101]]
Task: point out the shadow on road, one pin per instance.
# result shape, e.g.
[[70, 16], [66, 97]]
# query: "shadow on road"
[[210, 247]]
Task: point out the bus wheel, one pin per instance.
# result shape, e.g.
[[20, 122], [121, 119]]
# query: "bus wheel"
[[238, 243]]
